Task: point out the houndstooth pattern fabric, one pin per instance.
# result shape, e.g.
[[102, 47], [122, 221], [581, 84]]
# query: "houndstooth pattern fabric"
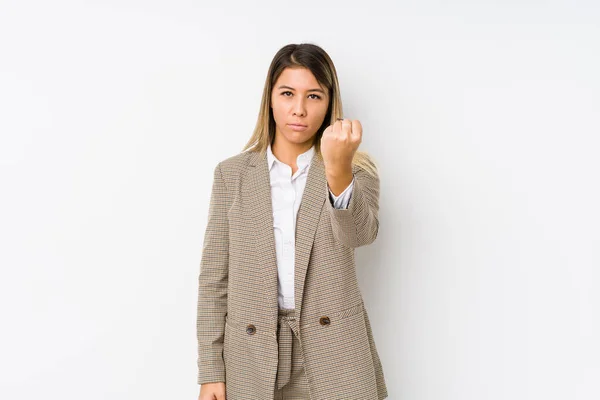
[[237, 314], [292, 383], [287, 332]]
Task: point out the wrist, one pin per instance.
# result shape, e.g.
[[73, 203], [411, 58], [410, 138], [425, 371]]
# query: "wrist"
[[339, 171]]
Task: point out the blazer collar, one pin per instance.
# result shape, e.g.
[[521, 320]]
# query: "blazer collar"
[[257, 190]]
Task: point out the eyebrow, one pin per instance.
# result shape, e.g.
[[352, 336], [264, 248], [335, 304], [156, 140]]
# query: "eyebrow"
[[311, 90]]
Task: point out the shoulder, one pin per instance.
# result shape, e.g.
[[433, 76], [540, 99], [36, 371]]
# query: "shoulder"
[[236, 162], [364, 165], [231, 168]]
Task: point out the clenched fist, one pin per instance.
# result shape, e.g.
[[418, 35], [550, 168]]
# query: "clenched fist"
[[213, 391], [339, 143]]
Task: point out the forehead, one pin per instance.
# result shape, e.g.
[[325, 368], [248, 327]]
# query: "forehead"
[[298, 78]]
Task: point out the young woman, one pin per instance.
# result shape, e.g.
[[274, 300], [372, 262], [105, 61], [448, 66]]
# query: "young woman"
[[280, 312]]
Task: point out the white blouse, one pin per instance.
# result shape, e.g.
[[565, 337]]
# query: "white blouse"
[[286, 195]]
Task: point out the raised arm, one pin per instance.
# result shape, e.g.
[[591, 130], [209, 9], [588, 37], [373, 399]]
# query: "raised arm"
[[358, 224]]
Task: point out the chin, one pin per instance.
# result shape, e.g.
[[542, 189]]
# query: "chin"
[[300, 140], [299, 137]]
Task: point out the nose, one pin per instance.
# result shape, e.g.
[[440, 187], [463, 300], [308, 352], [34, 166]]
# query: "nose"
[[298, 108]]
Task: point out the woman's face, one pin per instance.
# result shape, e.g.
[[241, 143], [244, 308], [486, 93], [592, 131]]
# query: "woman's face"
[[297, 98]]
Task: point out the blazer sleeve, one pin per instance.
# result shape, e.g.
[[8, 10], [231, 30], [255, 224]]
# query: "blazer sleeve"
[[212, 285], [341, 200], [358, 224]]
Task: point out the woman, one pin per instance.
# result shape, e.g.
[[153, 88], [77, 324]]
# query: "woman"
[[280, 312]]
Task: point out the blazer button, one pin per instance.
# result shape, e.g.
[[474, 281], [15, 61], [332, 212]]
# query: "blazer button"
[[250, 329], [324, 321]]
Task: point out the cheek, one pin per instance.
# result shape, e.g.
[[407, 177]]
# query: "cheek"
[[279, 115], [275, 108], [277, 112], [320, 112]]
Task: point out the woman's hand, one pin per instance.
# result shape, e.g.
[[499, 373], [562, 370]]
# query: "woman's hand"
[[212, 391], [339, 143]]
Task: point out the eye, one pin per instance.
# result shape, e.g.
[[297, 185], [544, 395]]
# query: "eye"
[[312, 94]]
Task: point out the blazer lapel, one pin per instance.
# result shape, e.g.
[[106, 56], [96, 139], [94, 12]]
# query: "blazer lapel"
[[261, 211], [315, 194], [258, 195]]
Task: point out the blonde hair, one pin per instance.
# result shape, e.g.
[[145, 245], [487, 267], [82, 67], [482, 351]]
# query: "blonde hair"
[[315, 59]]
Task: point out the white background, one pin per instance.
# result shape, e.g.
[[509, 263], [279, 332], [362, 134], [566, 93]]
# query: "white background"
[[483, 116]]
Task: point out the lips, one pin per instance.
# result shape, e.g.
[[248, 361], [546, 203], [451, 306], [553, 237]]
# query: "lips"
[[298, 128]]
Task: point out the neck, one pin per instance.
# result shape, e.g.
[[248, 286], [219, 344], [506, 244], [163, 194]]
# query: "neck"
[[287, 152]]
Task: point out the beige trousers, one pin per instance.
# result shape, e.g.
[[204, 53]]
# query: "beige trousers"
[[291, 382]]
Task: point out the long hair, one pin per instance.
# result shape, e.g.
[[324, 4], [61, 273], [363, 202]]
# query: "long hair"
[[315, 59]]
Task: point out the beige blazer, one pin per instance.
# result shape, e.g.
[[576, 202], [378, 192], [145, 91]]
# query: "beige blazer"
[[238, 285]]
